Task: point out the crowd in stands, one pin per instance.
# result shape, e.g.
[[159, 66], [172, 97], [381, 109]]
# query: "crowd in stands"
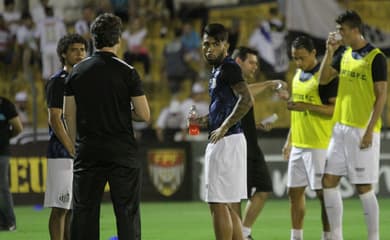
[[28, 39]]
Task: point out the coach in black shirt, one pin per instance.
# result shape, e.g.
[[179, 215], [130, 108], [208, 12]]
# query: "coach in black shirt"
[[102, 96]]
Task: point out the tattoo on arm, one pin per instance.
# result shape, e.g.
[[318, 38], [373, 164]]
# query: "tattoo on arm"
[[243, 104]]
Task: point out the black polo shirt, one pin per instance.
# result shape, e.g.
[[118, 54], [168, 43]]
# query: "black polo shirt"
[[249, 127], [103, 86]]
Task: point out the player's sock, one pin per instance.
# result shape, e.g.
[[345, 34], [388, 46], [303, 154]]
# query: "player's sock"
[[246, 231], [326, 236], [296, 234], [334, 210], [371, 214]]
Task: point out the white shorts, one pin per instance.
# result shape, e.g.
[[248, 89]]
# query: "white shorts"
[[59, 183], [306, 167], [345, 158], [225, 170]]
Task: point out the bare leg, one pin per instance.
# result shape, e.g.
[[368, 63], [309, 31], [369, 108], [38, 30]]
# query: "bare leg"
[[236, 208], [253, 208], [297, 206], [67, 225], [222, 222], [57, 223], [237, 226]]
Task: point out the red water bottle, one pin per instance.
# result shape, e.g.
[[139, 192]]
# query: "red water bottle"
[[193, 126]]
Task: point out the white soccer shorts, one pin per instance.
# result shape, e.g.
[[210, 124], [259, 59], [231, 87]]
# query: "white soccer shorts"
[[345, 158], [225, 170], [59, 181], [306, 167]]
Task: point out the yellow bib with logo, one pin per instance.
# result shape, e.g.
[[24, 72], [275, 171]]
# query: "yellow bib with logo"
[[356, 96], [309, 129]]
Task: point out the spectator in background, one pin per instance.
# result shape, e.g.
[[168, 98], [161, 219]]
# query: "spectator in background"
[[6, 43], [175, 67], [27, 45], [234, 35], [269, 39], [11, 16], [10, 126], [21, 107], [82, 26], [169, 121], [197, 99], [49, 31], [191, 42], [38, 12], [136, 50], [122, 8]]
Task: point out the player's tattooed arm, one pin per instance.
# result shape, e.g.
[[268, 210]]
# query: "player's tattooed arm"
[[244, 103]]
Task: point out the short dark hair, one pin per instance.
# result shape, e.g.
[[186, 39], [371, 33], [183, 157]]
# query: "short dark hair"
[[106, 30], [217, 31], [352, 19], [65, 42], [303, 42], [242, 52]]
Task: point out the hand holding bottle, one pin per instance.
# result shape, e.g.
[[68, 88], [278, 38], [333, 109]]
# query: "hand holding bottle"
[[193, 125]]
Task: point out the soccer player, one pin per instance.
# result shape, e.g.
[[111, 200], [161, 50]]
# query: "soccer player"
[[311, 109], [103, 95], [225, 158], [259, 183], [354, 147], [71, 49]]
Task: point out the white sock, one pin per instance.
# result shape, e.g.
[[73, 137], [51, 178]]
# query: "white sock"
[[296, 234], [326, 236], [371, 214], [246, 231], [334, 210]]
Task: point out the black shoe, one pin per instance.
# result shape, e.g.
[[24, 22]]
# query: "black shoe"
[[10, 228], [249, 238]]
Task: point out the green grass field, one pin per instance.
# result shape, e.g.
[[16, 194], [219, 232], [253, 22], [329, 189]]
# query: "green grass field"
[[191, 221]]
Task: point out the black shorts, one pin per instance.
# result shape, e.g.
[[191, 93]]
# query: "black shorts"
[[258, 176]]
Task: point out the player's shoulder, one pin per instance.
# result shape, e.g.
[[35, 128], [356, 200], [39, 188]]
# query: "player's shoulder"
[[230, 65], [59, 75], [123, 63]]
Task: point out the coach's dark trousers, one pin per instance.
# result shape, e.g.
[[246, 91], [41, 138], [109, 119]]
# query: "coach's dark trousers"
[[88, 188]]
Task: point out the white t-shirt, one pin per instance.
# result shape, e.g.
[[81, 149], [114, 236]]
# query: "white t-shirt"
[[49, 31], [26, 36], [38, 13], [169, 119], [135, 39], [5, 37], [11, 17]]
